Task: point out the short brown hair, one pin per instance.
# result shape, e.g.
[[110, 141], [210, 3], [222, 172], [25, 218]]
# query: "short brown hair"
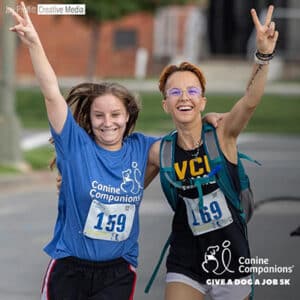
[[184, 66]]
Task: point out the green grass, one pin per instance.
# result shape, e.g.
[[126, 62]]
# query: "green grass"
[[31, 109], [8, 170], [275, 114], [39, 158]]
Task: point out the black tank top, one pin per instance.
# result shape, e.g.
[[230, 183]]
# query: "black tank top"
[[214, 254]]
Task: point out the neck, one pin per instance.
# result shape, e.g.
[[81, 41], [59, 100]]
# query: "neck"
[[189, 137]]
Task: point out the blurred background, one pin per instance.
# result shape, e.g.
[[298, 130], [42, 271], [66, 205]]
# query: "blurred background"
[[131, 42], [138, 38]]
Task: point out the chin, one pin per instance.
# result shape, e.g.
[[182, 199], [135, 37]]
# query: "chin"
[[183, 119]]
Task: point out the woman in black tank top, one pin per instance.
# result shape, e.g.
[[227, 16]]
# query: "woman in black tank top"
[[209, 240]]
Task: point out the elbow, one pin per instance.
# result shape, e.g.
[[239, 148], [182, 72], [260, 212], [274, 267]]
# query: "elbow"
[[51, 95], [251, 102]]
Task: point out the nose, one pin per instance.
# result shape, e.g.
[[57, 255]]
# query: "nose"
[[107, 121], [184, 94]]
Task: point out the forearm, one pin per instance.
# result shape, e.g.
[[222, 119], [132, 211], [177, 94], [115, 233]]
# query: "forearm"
[[256, 85], [55, 103], [242, 111], [44, 73]]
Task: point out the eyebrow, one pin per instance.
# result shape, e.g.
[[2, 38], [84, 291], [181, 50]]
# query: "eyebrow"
[[115, 110], [189, 87]]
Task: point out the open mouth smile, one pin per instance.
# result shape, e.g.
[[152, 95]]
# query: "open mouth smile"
[[185, 108]]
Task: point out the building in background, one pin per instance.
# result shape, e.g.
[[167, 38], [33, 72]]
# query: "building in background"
[[142, 44]]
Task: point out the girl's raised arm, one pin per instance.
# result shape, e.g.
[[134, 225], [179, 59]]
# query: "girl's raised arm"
[[55, 103]]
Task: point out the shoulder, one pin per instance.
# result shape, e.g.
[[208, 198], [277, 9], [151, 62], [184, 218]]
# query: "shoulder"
[[142, 138]]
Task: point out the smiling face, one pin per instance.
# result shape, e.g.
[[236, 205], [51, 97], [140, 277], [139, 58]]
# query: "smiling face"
[[187, 107], [108, 117]]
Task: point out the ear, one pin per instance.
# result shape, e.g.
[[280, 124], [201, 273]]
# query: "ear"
[[203, 103], [165, 106]]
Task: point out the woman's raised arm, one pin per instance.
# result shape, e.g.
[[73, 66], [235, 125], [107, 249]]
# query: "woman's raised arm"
[[54, 101]]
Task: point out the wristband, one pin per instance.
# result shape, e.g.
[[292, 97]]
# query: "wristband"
[[262, 58], [265, 55]]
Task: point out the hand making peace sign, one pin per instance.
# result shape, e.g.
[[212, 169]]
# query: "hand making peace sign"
[[24, 29], [266, 35]]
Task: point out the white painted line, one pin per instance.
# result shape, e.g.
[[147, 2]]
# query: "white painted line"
[[35, 140]]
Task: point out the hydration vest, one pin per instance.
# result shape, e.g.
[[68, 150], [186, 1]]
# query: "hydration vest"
[[242, 201]]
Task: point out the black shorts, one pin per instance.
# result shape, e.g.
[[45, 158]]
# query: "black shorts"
[[71, 278]]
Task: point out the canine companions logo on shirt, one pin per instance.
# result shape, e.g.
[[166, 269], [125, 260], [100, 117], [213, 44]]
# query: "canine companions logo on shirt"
[[132, 179]]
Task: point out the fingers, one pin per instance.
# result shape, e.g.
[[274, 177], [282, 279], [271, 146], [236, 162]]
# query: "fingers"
[[276, 35], [15, 15], [25, 19], [271, 29], [269, 15], [255, 18], [25, 13], [19, 27]]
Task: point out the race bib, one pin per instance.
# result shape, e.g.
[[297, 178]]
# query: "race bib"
[[111, 222], [214, 215]]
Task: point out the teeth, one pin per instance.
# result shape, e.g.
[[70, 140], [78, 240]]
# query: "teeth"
[[184, 108], [108, 130]]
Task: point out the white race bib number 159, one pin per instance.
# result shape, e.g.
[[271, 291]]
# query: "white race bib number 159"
[[112, 222], [215, 213]]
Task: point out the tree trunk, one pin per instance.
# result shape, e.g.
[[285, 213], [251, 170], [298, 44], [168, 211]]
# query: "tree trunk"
[[10, 150], [93, 53]]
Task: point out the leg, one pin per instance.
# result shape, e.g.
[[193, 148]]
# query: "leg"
[[182, 291], [115, 282], [63, 281], [229, 292]]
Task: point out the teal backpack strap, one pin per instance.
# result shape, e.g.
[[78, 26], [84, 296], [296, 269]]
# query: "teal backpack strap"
[[167, 172], [169, 185], [199, 181], [216, 158], [252, 287], [155, 271], [247, 157]]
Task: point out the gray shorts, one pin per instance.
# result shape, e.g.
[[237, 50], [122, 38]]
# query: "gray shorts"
[[215, 291]]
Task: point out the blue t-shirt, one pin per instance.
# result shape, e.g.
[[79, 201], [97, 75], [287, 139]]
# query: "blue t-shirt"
[[99, 197]]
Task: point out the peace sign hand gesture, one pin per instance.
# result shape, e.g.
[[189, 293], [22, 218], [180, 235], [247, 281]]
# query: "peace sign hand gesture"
[[266, 35], [24, 29]]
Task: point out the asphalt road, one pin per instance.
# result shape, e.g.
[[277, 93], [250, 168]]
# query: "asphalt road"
[[28, 212]]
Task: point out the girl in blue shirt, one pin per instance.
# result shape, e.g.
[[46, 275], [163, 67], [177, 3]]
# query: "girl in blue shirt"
[[95, 244]]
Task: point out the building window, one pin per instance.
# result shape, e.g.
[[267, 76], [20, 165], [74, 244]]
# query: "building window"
[[125, 39]]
